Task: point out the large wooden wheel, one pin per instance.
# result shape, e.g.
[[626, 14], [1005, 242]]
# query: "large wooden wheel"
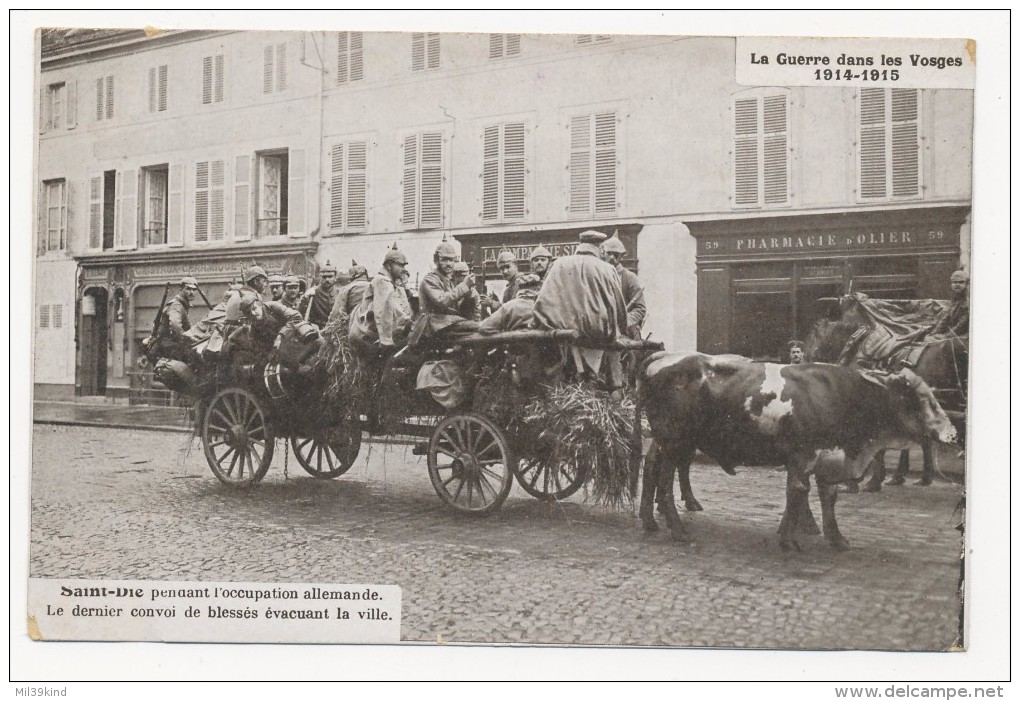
[[329, 452], [470, 463], [237, 438], [549, 482]]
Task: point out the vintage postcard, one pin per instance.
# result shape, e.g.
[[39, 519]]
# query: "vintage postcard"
[[351, 333]]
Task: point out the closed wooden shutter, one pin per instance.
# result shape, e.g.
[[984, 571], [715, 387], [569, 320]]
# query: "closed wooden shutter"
[[775, 150], [905, 145], [72, 104], [109, 97], [342, 58], [513, 171], [336, 186], [157, 88], [44, 316], [350, 63], [495, 46], [202, 201], [872, 144], [100, 99], [267, 69], [409, 185], [96, 212], [417, 51], [126, 222], [242, 198], [513, 44], [281, 67], [580, 164], [357, 57], [217, 203], [490, 174], [433, 50], [152, 89], [431, 179], [207, 80], [357, 185], [296, 193], [218, 78], [605, 162], [175, 206], [745, 157], [57, 316]]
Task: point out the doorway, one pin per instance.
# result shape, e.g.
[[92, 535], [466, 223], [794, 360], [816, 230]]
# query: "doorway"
[[94, 340]]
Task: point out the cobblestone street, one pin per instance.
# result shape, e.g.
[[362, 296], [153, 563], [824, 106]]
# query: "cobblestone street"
[[125, 504]]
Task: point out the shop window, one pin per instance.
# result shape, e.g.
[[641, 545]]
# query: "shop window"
[[422, 184], [424, 51], [274, 68], [504, 45], [272, 194], [503, 172], [350, 58], [157, 89], [154, 204], [889, 149], [761, 154], [53, 236], [104, 98], [347, 192], [209, 201], [593, 164], [212, 79]]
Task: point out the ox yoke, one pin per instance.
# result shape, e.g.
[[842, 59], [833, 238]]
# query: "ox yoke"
[[745, 413]]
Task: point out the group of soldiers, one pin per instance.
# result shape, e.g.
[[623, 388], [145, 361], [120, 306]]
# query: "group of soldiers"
[[590, 290]]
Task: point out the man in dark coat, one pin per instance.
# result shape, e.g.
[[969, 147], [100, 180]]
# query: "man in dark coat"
[[633, 291], [955, 320], [322, 296], [174, 324], [470, 306], [440, 299], [351, 294], [518, 312]]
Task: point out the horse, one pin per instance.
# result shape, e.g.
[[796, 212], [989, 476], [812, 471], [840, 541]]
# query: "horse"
[[941, 362]]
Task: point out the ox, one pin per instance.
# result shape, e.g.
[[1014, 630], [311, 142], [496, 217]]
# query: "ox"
[[826, 420]]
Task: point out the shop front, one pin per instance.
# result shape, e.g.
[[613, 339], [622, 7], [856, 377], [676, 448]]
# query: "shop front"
[[119, 296], [762, 282]]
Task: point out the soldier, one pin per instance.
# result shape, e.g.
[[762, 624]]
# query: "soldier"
[[351, 294], [540, 261], [319, 300], [470, 306], [276, 287], [174, 324], [440, 298], [507, 264], [256, 279], [613, 252], [517, 313], [291, 291], [955, 320], [383, 319]]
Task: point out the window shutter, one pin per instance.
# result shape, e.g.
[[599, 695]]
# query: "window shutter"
[[45, 110], [57, 316], [152, 89], [67, 216], [126, 226], [41, 215], [513, 171], [357, 59], [207, 80], [495, 46], [296, 194], [580, 164], [202, 201], [342, 71], [217, 187], [175, 207], [44, 316], [490, 174], [242, 198], [218, 78], [267, 69], [431, 179], [417, 51], [100, 95], [905, 146], [281, 67], [583, 39], [109, 97], [745, 151], [336, 187], [96, 212], [605, 162], [161, 89], [513, 44], [872, 143], [357, 183], [410, 184], [72, 104], [775, 157], [433, 50]]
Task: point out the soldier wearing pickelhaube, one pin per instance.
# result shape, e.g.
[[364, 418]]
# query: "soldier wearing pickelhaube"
[[440, 298], [541, 259], [613, 252], [383, 319], [320, 298], [351, 294]]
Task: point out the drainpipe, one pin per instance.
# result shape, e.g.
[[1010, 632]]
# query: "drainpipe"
[[318, 146]]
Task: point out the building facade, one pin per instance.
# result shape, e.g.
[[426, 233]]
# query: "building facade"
[[200, 153]]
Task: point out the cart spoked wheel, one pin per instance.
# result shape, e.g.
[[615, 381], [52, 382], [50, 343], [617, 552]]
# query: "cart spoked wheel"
[[237, 438], [470, 463], [330, 452], [550, 482]]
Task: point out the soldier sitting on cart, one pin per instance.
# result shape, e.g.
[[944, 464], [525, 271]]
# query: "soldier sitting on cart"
[[382, 321], [518, 312], [174, 342], [440, 322]]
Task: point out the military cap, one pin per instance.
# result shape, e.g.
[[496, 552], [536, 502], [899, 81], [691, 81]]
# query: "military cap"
[[292, 280], [253, 272], [394, 255], [276, 279], [505, 256], [189, 282], [540, 252], [592, 236], [614, 245], [461, 268], [528, 281]]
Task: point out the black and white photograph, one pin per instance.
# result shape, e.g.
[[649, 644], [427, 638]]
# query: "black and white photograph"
[[413, 333]]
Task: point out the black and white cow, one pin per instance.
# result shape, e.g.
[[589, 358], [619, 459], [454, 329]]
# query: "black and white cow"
[[816, 418]]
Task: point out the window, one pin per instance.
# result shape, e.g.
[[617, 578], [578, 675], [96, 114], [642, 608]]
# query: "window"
[[593, 164], [592, 38], [209, 201], [349, 65], [212, 79], [423, 181], [102, 210], [274, 68], [273, 196], [424, 51], [44, 316], [157, 89], [58, 107], [53, 236], [889, 152], [154, 204], [503, 45], [104, 98], [347, 208], [503, 172], [761, 154]]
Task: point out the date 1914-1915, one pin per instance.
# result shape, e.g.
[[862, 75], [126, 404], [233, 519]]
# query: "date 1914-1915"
[[867, 75]]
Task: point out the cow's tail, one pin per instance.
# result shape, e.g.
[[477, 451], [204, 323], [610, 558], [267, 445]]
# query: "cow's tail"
[[635, 436]]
